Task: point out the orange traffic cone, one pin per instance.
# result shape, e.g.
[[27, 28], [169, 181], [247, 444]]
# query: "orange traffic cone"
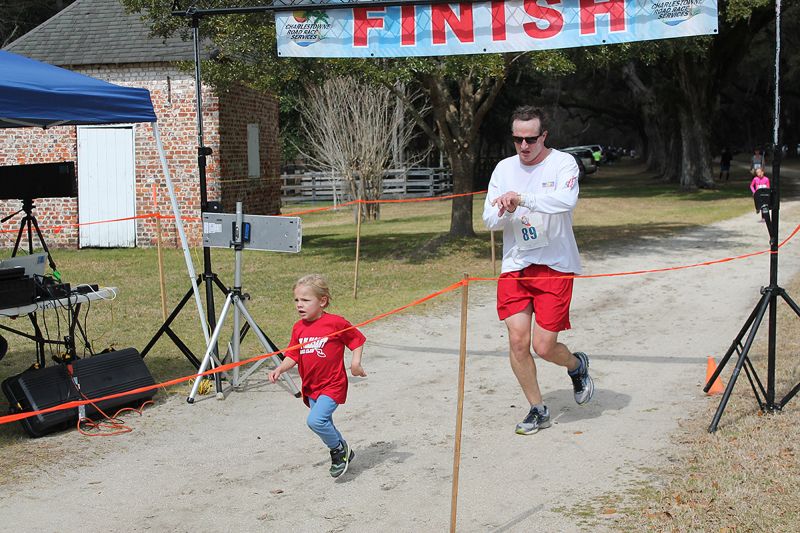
[[716, 387]]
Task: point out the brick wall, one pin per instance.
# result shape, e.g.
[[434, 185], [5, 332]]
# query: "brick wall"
[[173, 96], [261, 195], [56, 216]]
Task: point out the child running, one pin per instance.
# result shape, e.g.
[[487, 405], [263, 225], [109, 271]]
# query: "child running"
[[760, 181], [320, 362]]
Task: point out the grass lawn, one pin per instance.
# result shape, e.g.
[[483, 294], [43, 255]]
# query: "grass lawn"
[[744, 477], [404, 256]]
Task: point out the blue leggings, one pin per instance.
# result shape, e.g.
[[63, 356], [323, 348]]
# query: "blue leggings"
[[320, 420]]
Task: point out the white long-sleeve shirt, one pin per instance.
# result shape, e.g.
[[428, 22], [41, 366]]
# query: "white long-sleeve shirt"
[[549, 190]]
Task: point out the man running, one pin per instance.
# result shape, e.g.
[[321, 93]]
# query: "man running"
[[531, 197]]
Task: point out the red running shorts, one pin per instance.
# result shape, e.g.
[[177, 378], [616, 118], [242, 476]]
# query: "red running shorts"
[[549, 295]]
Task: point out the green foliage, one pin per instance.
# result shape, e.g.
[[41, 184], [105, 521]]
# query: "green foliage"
[[245, 51], [735, 10], [18, 17]]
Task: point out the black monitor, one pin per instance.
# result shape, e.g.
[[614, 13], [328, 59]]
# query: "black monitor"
[[41, 180]]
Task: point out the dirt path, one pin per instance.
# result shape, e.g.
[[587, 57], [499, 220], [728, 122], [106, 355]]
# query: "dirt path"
[[250, 464]]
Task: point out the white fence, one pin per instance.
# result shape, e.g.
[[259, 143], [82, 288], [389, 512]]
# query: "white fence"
[[397, 183]]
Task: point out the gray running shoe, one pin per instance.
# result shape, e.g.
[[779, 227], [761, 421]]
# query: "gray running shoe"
[[340, 459], [582, 383], [534, 422]]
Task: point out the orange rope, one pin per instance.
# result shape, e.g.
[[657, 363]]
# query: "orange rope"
[[222, 368], [74, 404], [70, 405], [60, 227], [652, 270], [402, 200]]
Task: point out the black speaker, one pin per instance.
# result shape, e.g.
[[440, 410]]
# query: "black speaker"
[[40, 180], [101, 375]]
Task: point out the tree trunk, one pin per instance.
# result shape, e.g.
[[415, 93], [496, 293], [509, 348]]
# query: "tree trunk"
[[689, 168], [372, 187], [650, 111], [656, 152], [462, 163], [673, 161], [693, 115], [458, 113]]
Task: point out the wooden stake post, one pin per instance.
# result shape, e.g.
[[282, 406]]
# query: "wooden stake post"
[[358, 249], [462, 364], [494, 261], [160, 257]]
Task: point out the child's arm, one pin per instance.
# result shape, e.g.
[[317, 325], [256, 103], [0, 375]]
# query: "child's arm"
[[285, 365], [355, 365]]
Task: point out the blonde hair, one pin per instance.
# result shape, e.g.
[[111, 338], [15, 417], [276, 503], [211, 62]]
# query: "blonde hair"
[[318, 284]]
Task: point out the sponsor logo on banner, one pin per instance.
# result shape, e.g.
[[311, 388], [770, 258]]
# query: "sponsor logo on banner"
[[305, 28], [673, 12]]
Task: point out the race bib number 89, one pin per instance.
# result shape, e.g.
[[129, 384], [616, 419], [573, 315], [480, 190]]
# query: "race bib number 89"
[[529, 232]]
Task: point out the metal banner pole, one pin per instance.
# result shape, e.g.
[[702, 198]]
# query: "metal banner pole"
[[202, 153], [237, 289], [187, 256]]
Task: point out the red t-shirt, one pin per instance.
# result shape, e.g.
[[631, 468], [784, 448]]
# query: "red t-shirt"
[[321, 361]]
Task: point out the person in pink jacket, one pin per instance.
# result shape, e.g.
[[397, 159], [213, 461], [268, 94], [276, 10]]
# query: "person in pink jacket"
[[760, 181]]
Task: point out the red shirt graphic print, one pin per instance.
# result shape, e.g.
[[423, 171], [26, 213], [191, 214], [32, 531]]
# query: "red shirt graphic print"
[[320, 361]]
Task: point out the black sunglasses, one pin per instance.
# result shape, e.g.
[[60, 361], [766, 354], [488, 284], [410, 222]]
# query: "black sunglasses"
[[529, 140]]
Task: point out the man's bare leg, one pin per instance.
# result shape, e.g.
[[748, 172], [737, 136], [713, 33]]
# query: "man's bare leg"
[[546, 346], [522, 363]]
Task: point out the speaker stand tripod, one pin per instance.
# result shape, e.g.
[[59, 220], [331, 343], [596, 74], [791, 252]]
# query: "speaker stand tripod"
[[235, 300], [769, 301], [27, 225]]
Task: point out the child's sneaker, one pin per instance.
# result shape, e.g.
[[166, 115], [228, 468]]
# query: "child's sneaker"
[[534, 421], [340, 459]]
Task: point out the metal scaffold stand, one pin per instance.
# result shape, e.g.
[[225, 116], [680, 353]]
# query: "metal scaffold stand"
[[281, 234]]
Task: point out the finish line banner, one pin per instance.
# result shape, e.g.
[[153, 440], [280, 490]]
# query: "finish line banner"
[[487, 27]]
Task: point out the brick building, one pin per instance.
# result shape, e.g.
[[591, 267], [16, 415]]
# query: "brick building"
[[118, 165]]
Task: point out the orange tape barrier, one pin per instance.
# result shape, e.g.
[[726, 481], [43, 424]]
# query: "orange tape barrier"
[[223, 368], [60, 227], [653, 270], [403, 200]]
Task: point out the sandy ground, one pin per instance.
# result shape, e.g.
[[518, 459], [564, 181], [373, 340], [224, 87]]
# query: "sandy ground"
[[249, 463]]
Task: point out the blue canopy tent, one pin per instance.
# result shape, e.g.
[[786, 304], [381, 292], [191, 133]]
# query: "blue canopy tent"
[[33, 93]]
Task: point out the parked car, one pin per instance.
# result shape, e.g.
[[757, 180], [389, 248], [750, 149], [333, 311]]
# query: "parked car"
[[585, 155], [596, 148], [581, 167]]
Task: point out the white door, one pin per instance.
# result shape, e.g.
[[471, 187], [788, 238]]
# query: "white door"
[[106, 186]]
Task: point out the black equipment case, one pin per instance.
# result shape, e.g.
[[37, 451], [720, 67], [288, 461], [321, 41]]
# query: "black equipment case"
[[16, 290], [98, 376]]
